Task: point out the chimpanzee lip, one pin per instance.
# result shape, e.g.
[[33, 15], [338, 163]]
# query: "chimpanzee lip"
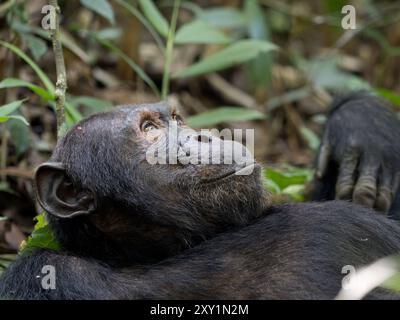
[[228, 174]]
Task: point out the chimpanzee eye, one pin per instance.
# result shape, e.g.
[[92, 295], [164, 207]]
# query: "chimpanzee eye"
[[177, 118], [148, 125]]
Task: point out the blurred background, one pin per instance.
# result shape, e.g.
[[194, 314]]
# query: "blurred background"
[[267, 65]]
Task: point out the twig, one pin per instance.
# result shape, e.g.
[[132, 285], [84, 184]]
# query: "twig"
[[16, 172], [61, 84]]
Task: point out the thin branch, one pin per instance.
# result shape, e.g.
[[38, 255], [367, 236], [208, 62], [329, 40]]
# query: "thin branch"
[[61, 84]]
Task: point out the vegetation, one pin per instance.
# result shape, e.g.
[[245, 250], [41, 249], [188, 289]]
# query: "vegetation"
[[264, 64]]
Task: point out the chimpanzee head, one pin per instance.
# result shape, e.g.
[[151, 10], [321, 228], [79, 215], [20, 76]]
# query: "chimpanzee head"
[[120, 187]]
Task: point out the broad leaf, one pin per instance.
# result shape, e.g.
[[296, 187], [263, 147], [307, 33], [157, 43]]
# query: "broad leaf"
[[9, 108], [393, 97], [42, 76], [108, 33], [15, 83], [42, 236], [36, 46], [101, 7], [19, 136], [155, 17], [260, 68], [236, 53], [288, 176], [223, 17], [325, 73], [91, 102], [223, 114], [20, 118], [311, 138], [200, 32]]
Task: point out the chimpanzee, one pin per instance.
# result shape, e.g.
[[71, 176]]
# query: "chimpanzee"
[[129, 229]]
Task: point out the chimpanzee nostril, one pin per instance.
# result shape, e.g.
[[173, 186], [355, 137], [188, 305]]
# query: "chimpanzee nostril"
[[203, 138]]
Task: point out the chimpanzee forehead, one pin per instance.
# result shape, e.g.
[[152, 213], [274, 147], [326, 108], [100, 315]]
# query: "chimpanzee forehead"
[[162, 108]]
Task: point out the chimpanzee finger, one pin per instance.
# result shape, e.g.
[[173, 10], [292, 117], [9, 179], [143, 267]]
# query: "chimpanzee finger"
[[345, 180], [323, 157], [385, 193], [396, 184], [365, 189]]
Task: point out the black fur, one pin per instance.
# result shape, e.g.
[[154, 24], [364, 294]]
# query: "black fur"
[[160, 232], [295, 252]]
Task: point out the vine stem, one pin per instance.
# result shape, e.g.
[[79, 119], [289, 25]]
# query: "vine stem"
[[61, 84], [169, 50]]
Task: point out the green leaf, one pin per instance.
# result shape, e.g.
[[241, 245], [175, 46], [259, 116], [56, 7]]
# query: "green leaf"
[[271, 186], [42, 76], [101, 7], [393, 283], [73, 116], [229, 18], [288, 176], [20, 118], [16, 83], [200, 32], [260, 68], [42, 236], [9, 108], [91, 102], [223, 114], [234, 54], [108, 33], [155, 17], [92, 105], [389, 95], [326, 74], [295, 191], [19, 136], [36, 46], [311, 138]]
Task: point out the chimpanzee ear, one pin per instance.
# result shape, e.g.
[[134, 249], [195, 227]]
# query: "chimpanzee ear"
[[58, 196]]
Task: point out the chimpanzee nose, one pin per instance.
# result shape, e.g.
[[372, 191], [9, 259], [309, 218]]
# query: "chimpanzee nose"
[[194, 138], [203, 137]]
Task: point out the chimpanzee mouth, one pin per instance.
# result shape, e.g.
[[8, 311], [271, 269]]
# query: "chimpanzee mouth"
[[242, 171]]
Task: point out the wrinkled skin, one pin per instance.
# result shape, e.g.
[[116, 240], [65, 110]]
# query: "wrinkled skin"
[[359, 157], [122, 209], [132, 230]]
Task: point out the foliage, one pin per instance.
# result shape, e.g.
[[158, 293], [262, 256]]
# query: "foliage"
[[41, 237], [239, 52], [224, 114], [101, 7], [257, 47], [288, 180], [6, 110]]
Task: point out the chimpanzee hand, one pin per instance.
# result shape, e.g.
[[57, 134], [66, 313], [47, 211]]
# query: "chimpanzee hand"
[[361, 147]]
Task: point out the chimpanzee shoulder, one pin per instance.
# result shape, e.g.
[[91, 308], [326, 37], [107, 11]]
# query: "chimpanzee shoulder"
[[296, 251], [74, 277]]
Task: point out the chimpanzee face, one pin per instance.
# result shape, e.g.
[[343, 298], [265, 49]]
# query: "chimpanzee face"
[[173, 154], [146, 158]]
